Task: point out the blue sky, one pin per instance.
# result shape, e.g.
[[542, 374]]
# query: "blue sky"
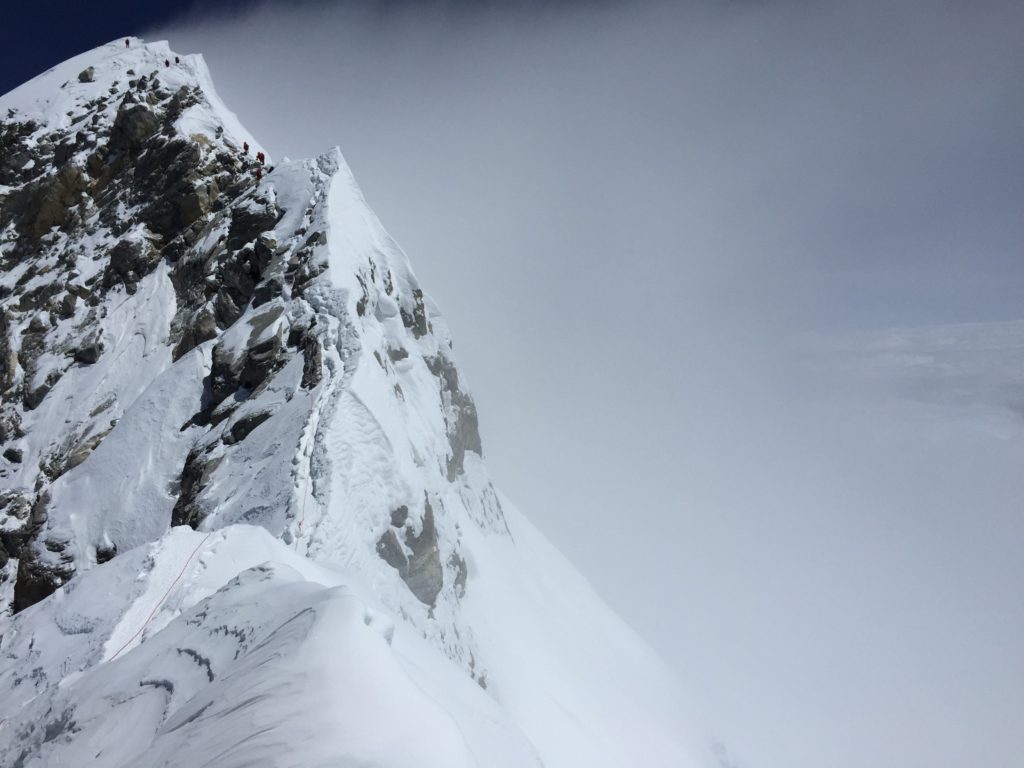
[[34, 36]]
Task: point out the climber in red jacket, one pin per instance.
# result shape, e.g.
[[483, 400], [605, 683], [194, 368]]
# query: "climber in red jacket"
[[261, 157], [245, 147], [259, 174]]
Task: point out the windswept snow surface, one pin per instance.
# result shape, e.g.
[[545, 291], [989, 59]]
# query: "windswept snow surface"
[[355, 591], [254, 657], [231, 649]]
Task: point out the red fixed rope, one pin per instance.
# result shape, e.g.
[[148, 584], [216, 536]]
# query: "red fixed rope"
[[302, 513], [156, 607]]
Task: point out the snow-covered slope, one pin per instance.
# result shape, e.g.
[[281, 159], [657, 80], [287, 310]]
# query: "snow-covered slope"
[[244, 513]]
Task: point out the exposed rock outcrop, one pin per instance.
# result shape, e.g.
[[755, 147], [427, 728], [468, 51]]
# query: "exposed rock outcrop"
[[461, 415], [196, 474], [125, 177], [416, 556], [129, 212]]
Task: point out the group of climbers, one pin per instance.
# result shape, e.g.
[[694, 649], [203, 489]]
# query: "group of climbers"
[[167, 61], [261, 158]]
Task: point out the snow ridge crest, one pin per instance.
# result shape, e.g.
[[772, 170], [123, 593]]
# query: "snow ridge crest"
[[210, 362]]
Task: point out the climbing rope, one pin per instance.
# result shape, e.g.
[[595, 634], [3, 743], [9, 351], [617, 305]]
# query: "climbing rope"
[[156, 607]]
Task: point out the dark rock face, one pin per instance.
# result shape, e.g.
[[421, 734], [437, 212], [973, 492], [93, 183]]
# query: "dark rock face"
[[421, 569], [133, 125], [195, 476], [399, 516], [231, 372], [40, 569], [391, 552], [463, 424], [49, 202], [16, 507], [33, 397], [153, 192], [174, 186], [10, 422], [105, 553], [37, 299], [263, 359], [250, 222], [269, 289], [458, 564], [243, 426], [425, 575], [200, 327], [33, 345], [89, 352], [15, 153], [416, 320], [8, 354], [303, 266], [214, 291], [130, 260], [37, 580], [81, 452], [66, 307]]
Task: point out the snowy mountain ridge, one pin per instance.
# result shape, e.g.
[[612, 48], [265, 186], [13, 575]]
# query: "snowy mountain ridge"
[[244, 514]]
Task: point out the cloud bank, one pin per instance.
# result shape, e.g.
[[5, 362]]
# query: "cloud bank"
[[672, 241]]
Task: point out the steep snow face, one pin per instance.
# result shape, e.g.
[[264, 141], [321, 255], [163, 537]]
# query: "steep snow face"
[[261, 658], [118, 170], [242, 492]]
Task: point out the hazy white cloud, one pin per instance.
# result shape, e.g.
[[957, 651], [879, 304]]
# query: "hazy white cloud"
[[627, 211]]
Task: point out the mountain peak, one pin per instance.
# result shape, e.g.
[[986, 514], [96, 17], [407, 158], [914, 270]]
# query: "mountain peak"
[[59, 97], [239, 453]]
